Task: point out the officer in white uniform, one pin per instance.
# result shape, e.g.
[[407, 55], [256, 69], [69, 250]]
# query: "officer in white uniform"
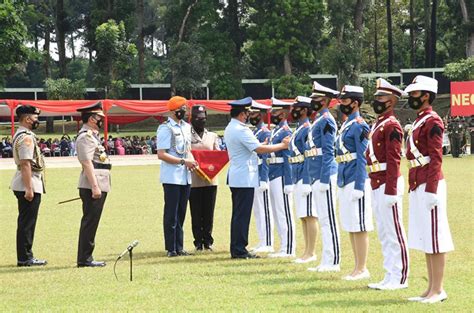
[[242, 177]]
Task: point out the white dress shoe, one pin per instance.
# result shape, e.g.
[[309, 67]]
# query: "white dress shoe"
[[263, 249], [392, 286], [435, 299], [281, 255], [416, 299], [328, 268], [363, 275], [302, 261]]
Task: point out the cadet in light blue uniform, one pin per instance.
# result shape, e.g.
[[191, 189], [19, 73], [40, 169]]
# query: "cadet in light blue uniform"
[[302, 195], [321, 173], [177, 162], [281, 181], [352, 179], [242, 147], [261, 201]]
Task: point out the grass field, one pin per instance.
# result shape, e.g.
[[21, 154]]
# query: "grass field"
[[208, 282]]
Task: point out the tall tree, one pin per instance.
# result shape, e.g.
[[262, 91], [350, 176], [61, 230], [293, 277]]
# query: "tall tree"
[[433, 34], [389, 37], [427, 29], [141, 40], [412, 35], [466, 11], [61, 28]]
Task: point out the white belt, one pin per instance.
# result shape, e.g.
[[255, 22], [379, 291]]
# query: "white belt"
[[419, 161], [346, 157], [296, 159], [275, 160], [313, 152], [376, 167]]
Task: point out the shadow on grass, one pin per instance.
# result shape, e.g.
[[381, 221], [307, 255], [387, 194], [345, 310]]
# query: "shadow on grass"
[[345, 304], [4, 269], [312, 291]]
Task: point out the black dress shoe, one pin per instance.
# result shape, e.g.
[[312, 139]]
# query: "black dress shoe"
[[184, 253], [32, 262], [246, 256], [198, 248], [171, 254], [91, 264]]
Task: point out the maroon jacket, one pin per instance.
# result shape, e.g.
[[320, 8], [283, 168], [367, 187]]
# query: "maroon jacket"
[[387, 143], [428, 138]]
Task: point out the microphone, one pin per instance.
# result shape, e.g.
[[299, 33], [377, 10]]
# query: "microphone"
[[129, 248]]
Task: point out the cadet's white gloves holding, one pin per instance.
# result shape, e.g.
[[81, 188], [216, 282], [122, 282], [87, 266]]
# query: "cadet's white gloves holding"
[[432, 200], [357, 194], [288, 189], [263, 186], [323, 187], [305, 190], [390, 200]]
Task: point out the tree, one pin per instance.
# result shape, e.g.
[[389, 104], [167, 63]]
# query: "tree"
[[13, 35], [389, 37], [61, 29], [460, 71], [114, 59], [466, 11], [289, 86], [65, 89]]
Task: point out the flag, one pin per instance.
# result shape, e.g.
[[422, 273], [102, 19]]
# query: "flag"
[[210, 162]]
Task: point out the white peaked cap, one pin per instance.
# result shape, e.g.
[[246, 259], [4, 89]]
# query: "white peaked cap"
[[423, 83]]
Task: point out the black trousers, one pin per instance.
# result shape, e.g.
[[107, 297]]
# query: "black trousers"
[[91, 212], [25, 232], [202, 201], [176, 199], [242, 200]]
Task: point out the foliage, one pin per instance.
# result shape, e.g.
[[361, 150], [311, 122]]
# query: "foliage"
[[460, 71], [13, 35], [65, 89], [288, 86], [114, 59]]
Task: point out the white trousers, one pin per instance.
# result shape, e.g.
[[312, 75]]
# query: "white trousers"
[[389, 221], [428, 228], [356, 216], [325, 203], [284, 219], [263, 215]]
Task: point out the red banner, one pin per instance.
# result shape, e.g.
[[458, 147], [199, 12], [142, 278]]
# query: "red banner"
[[462, 98], [211, 162]]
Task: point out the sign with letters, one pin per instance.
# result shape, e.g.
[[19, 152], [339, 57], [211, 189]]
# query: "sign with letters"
[[462, 98]]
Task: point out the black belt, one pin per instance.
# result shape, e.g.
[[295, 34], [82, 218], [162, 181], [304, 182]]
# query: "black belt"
[[102, 166]]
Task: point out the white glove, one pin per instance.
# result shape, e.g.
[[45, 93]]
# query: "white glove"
[[432, 200], [357, 194], [305, 190], [323, 187], [288, 189], [263, 186], [390, 200]]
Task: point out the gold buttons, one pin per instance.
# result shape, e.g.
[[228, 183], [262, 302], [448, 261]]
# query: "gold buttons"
[[378, 144], [378, 181]]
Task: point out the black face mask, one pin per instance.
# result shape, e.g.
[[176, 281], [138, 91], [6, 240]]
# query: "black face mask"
[[255, 120], [317, 105], [379, 106], [296, 114], [99, 123], [35, 124], [275, 119], [199, 124], [180, 114], [346, 109], [415, 102]]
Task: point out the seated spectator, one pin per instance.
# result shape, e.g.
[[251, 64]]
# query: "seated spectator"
[[118, 144], [64, 146], [6, 147]]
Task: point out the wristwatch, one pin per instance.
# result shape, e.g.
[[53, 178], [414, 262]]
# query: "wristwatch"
[[181, 162]]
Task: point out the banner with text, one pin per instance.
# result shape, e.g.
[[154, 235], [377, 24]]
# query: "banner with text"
[[462, 98]]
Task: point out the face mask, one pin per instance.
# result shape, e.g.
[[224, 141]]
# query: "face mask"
[[317, 105], [180, 114], [346, 109], [296, 114], [255, 120], [35, 124], [379, 106], [99, 123], [275, 119], [199, 124], [415, 102]]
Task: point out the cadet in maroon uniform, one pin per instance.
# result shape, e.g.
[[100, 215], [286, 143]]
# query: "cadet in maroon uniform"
[[428, 223], [383, 165]]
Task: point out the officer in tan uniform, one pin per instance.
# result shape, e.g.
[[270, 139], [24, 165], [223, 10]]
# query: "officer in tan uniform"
[[94, 181], [202, 198], [28, 183]]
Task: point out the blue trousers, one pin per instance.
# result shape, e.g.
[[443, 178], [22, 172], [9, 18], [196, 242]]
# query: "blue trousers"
[[242, 201], [176, 199]]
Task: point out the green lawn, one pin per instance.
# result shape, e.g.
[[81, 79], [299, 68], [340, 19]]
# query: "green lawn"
[[210, 282]]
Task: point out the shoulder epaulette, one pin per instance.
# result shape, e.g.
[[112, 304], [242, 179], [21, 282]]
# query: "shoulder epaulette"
[[306, 124], [359, 119]]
